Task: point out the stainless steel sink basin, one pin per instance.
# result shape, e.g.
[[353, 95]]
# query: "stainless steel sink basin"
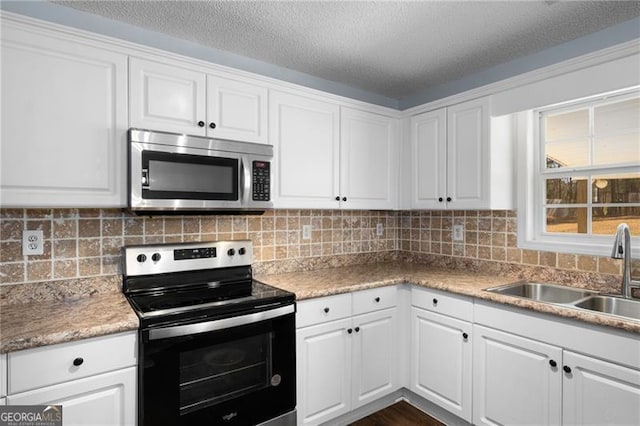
[[542, 292], [611, 305]]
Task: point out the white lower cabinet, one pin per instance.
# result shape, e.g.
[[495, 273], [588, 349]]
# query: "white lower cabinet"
[[374, 357], [3, 376], [324, 370], [543, 370], [516, 380], [95, 380], [441, 350], [487, 364], [441, 363], [345, 363], [105, 399], [597, 392]]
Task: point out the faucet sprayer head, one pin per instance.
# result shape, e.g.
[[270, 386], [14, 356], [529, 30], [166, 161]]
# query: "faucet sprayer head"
[[618, 244]]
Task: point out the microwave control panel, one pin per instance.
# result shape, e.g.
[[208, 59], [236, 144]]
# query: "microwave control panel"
[[261, 172]]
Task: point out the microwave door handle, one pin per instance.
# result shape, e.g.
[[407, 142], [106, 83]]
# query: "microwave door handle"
[[245, 181], [145, 178], [222, 324]]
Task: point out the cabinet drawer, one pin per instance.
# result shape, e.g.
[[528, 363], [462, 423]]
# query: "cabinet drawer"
[[444, 303], [374, 299], [35, 368], [324, 309]]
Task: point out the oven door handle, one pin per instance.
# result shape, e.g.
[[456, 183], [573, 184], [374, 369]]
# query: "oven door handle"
[[203, 327]]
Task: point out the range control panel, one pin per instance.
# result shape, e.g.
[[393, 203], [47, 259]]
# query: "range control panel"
[[261, 178], [194, 253], [165, 258]]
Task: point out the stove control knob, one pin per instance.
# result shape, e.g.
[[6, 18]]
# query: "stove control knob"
[[155, 257], [141, 258], [231, 252], [242, 251]]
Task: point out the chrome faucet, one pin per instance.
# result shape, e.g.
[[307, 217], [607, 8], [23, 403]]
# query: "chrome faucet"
[[622, 250]]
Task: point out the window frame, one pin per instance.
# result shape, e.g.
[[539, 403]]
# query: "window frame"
[[532, 177]]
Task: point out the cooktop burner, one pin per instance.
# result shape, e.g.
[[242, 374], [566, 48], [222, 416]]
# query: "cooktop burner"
[[161, 302]]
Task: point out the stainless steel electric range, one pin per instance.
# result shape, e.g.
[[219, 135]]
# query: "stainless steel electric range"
[[216, 347]]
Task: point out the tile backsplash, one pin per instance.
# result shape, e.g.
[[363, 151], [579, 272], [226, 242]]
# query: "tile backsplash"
[[83, 243], [489, 235]]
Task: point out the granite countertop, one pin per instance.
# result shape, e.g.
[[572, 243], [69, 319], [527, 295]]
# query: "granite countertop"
[[326, 282], [47, 322], [85, 312]]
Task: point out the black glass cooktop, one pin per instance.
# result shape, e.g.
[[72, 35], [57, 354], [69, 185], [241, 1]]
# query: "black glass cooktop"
[[197, 302]]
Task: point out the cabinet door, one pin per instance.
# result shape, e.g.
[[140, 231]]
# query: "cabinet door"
[[468, 154], [368, 159], [513, 380], [305, 134], [236, 110], [105, 399], [166, 97], [323, 371], [3, 375], [429, 160], [441, 361], [375, 356], [597, 392], [64, 122]]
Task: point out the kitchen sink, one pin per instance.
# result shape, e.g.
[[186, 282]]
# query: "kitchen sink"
[[611, 305], [542, 292]]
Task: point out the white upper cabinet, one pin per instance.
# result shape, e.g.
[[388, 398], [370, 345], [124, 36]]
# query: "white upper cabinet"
[[461, 158], [165, 97], [468, 154], [331, 157], [368, 159], [182, 100], [236, 110], [64, 121], [428, 159], [305, 134]]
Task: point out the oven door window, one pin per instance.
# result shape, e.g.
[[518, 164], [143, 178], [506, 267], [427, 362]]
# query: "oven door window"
[[221, 372], [191, 177]]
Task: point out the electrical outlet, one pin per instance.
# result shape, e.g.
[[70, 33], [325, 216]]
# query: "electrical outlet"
[[458, 232], [379, 230], [32, 242], [306, 232]]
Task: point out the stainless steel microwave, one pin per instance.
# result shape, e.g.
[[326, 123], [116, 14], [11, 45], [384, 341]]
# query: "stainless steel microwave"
[[172, 172]]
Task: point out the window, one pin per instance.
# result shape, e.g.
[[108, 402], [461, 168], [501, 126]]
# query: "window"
[[583, 175]]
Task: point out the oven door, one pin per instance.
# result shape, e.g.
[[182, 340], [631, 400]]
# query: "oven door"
[[236, 371]]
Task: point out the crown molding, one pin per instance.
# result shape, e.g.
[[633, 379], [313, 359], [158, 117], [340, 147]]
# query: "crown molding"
[[608, 54]]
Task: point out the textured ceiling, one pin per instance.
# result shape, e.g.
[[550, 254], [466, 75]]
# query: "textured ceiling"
[[393, 48]]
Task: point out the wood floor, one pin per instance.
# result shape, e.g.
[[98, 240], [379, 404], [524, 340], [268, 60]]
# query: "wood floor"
[[398, 414]]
